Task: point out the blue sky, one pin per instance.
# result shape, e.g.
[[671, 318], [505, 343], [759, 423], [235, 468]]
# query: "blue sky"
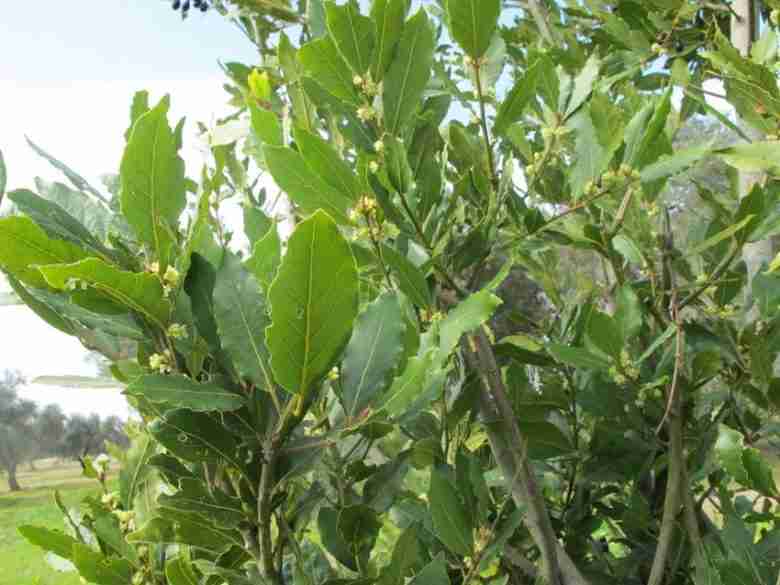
[[67, 76], [50, 41]]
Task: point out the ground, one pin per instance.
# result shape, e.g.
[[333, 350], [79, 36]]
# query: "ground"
[[21, 563]]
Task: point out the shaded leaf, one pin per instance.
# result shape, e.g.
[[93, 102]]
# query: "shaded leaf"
[[372, 353], [451, 522], [472, 24]]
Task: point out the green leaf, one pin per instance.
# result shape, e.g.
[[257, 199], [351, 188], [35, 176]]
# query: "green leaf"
[[407, 556], [314, 300], [182, 392], [670, 165], [410, 278], [577, 357], [141, 292], [265, 258], [352, 33], [325, 162], [434, 573], [57, 222], [469, 314], [153, 186], [76, 180], [605, 334], [719, 237], [372, 353], [759, 472], [628, 313], [627, 248], [199, 286], [473, 23], [591, 159], [49, 540], [94, 216], [174, 527], [107, 529], [751, 157], [451, 522], [409, 73], [240, 315], [179, 571], [306, 188], [728, 451], [406, 388], [266, 126], [583, 84], [101, 570], [195, 437], [388, 17], [26, 246], [545, 440], [138, 107], [42, 309], [321, 61], [332, 540], [359, 527], [520, 96], [135, 470], [256, 223], [193, 497]]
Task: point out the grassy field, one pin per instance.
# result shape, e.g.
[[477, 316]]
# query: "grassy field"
[[20, 563]]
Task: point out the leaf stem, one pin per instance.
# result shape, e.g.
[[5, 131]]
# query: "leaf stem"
[[483, 123]]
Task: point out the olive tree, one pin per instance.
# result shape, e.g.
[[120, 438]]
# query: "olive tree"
[[356, 392]]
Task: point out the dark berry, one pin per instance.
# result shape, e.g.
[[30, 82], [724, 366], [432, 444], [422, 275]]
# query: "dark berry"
[[196, 3], [186, 6], [176, 4], [204, 6]]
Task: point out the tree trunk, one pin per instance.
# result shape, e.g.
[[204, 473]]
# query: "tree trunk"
[[744, 30], [13, 484]]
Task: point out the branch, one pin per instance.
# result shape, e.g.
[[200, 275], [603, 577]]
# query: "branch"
[[510, 450], [264, 510]]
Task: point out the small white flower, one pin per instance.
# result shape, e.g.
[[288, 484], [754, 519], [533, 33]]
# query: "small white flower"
[[379, 146]]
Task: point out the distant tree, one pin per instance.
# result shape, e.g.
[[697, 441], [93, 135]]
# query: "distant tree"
[[82, 436], [17, 434], [50, 430]]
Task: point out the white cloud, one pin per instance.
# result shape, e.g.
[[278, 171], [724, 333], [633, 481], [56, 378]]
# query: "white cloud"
[[83, 125]]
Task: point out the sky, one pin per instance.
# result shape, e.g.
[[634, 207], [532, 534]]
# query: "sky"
[[67, 76]]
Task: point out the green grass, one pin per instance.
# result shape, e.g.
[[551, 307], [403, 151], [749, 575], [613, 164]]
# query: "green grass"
[[21, 563]]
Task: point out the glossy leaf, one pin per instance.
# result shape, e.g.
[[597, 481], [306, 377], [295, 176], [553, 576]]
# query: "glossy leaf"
[[26, 246], [472, 24], [182, 392], [153, 186], [372, 353], [325, 162], [409, 73], [193, 497], [314, 300], [520, 96], [140, 292], [332, 540], [195, 437]]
